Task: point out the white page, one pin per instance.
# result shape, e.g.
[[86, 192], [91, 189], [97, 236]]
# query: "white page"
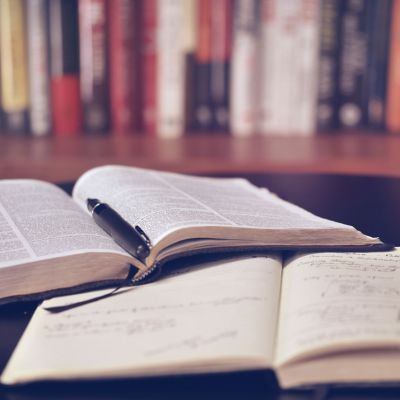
[[218, 317], [38, 221], [332, 300], [160, 202]]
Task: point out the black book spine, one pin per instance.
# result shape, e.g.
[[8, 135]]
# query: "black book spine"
[[220, 95], [326, 116], [63, 37], [93, 31], [203, 120], [379, 21], [221, 45], [189, 92], [353, 63]]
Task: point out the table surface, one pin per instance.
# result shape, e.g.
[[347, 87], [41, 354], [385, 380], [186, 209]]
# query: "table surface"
[[369, 203], [60, 159]]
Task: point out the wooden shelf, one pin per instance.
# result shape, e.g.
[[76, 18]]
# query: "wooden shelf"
[[64, 159]]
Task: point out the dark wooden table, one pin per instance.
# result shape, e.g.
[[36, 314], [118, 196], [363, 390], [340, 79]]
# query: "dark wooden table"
[[60, 159], [372, 204]]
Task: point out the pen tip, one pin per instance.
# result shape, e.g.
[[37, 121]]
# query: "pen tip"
[[91, 204]]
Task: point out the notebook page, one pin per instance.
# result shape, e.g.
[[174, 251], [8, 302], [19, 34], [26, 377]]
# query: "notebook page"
[[214, 317], [339, 300]]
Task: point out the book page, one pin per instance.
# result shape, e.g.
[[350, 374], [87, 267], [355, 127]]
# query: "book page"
[[160, 202], [339, 301], [213, 317], [38, 221]]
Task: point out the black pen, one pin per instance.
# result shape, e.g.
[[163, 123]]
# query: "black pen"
[[130, 238]]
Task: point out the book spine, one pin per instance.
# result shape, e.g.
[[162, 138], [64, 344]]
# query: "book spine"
[[305, 63], [149, 61], [276, 49], [244, 79], [326, 117], [393, 87], [123, 23], [289, 59], [38, 58], [353, 64], [221, 45], [170, 69], [13, 65], [201, 93], [94, 64], [379, 16], [190, 31], [64, 67]]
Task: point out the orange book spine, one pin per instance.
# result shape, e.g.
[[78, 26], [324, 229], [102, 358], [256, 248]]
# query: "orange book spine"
[[393, 87]]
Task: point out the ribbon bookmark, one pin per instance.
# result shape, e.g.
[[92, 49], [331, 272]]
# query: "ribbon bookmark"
[[128, 281]]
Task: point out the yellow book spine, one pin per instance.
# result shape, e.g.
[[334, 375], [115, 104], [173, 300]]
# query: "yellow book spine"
[[13, 61]]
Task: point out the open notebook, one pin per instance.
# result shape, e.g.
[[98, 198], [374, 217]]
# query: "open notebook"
[[323, 317]]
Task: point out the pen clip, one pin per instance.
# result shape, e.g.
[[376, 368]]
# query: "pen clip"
[[143, 236], [142, 249]]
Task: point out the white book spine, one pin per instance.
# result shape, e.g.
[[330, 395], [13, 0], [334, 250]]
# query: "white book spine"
[[38, 54], [170, 69], [274, 82], [305, 75], [244, 79], [289, 64]]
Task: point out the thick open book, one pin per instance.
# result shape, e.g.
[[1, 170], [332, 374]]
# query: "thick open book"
[[322, 318], [49, 241]]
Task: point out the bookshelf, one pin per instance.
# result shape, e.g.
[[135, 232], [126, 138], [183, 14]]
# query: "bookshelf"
[[64, 159], [60, 159]]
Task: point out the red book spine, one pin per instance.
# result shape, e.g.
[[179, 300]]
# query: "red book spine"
[[221, 30], [66, 104], [123, 65], [149, 58], [203, 50], [64, 67]]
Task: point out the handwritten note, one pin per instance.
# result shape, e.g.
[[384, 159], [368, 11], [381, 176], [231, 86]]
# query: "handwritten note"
[[345, 299], [215, 315]]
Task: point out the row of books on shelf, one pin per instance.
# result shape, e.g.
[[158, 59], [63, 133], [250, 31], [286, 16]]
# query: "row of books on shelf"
[[165, 67]]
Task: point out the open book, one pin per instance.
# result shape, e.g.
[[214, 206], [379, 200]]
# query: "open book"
[[324, 317], [49, 241]]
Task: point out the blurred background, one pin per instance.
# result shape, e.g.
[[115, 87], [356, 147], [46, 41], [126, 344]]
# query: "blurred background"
[[199, 86]]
